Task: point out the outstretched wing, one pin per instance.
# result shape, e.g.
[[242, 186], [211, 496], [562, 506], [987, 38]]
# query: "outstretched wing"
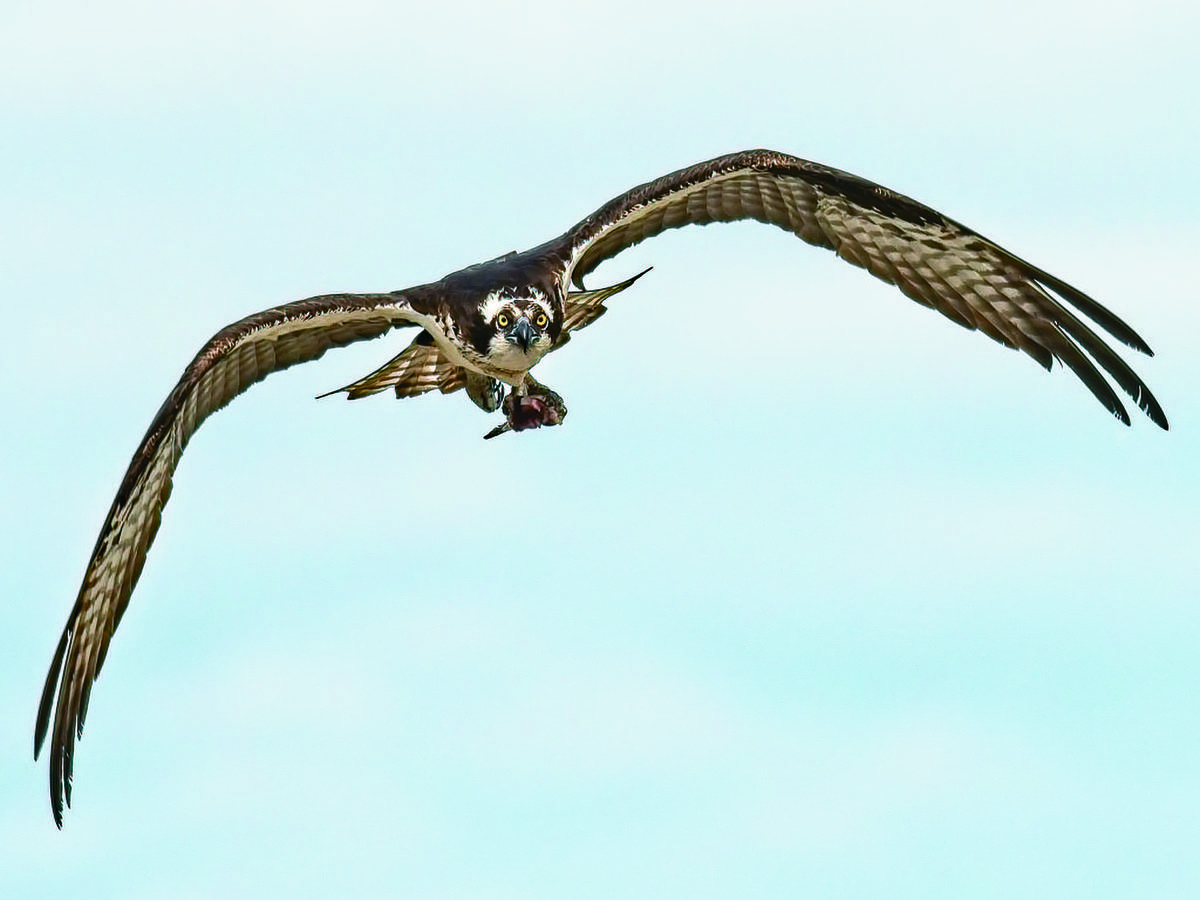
[[238, 356], [582, 308], [931, 258], [419, 368]]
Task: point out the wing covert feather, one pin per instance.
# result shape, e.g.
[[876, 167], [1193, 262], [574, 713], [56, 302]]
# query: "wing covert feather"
[[931, 258], [237, 357]]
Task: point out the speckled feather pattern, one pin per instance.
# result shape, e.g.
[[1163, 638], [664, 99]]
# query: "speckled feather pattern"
[[233, 360], [420, 368], [930, 258]]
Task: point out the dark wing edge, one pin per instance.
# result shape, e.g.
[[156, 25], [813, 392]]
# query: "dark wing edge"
[[931, 258], [237, 357]]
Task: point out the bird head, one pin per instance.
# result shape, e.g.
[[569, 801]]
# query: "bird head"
[[521, 329]]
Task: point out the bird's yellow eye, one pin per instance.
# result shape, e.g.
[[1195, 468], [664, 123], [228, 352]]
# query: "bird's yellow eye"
[[502, 320], [541, 320]]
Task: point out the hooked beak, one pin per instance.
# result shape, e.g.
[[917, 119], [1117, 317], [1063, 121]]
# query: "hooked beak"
[[522, 334]]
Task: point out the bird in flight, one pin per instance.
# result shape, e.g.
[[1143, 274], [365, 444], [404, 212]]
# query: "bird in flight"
[[485, 327]]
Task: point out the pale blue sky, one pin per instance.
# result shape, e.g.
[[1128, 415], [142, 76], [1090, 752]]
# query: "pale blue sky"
[[865, 606]]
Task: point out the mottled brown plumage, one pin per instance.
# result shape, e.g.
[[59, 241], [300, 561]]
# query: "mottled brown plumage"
[[932, 259]]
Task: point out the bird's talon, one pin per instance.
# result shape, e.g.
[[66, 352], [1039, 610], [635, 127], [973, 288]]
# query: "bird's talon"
[[497, 431], [523, 412]]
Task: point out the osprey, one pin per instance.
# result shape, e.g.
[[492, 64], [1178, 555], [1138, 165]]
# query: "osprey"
[[485, 327]]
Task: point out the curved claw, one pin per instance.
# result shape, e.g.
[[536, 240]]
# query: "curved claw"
[[497, 431]]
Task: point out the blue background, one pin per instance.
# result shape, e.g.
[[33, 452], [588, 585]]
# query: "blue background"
[[815, 594]]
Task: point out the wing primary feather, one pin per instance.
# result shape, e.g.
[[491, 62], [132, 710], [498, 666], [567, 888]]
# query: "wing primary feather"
[[235, 358], [928, 256], [48, 692], [1112, 363], [931, 258], [1074, 359], [1098, 313]]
